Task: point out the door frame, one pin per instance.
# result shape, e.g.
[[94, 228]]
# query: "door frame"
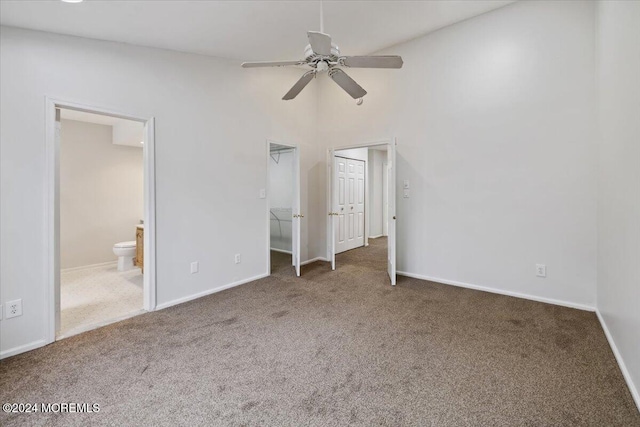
[[295, 209], [52, 206], [330, 154]]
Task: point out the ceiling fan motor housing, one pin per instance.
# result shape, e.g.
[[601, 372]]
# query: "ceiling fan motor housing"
[[312, 57]]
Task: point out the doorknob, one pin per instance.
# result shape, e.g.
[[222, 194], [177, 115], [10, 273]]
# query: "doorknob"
[[351, 207], [394, 217]]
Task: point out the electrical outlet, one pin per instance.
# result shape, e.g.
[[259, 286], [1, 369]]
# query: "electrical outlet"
[[13, 308], [194, 267], [237, 258], [541, 270], [263, 193]]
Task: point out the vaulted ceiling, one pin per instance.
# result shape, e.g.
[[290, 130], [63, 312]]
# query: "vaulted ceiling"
[[243, 30]]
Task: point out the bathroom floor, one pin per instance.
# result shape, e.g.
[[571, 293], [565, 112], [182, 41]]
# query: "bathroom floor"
[[96, 296]]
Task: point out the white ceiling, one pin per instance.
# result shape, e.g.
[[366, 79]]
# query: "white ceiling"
[[243, 30], [125, 132]]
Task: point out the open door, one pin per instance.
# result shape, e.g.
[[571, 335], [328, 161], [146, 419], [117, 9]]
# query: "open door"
[[56, 225], [297, 215], [333, 213], [391, 214]]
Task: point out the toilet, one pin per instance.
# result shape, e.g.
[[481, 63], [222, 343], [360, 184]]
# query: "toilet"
[[126, 252]]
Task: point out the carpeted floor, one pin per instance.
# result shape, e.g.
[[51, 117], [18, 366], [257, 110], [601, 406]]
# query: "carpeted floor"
[[333, 349]]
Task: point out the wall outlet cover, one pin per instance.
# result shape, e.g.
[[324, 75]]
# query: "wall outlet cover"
[[13, 308], [237, 258], [541, 270], [195, 267], [263, 193]]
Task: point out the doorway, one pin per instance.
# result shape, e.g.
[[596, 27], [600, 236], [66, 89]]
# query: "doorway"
[[283, 208], [101, 217], [361, 201]]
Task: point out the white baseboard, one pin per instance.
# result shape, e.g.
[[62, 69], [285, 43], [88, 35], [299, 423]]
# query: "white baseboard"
[[309, 261], [618, 356], [23, 348], [375, 237], [209, 292], [280, 250], [500, 291], [83, 267]]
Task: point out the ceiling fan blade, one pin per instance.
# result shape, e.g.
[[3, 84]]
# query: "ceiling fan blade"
[[320, 43], [372, 61], [347, 83], [271, 64], [300, 84]]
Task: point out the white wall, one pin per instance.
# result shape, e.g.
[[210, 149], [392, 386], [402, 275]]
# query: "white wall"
[[376, 172], [101, 193], [619, 181], [281, 199], [494, 119], [281, 180], [210, 165]]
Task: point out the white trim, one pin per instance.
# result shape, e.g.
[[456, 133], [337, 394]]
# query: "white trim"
[[330, 156], [296, 150], [52, 206], [282, 251], [82, 267], [23, 348], [623, 367], [318, 258], [500, 291], [377, 236], [209, 292], [91, 327], [149, 284]]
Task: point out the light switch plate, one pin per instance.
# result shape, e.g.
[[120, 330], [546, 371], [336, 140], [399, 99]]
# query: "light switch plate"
[[406, 194], [263, 193], [195, 267], [406, 183]]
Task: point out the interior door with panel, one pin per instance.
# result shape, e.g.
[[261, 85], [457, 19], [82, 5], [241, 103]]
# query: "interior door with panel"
[[341, 205], [358, 204], [333, 213], [391, 211], [297, 215]]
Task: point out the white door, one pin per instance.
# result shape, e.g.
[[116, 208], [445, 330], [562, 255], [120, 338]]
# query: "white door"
[[297, 215], [341, 205], [391, 211], [349, 203], [385, 204], [56, 224], [333, 211], [358, 206]]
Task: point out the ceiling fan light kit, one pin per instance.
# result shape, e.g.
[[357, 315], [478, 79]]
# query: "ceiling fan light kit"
[[321, 55]]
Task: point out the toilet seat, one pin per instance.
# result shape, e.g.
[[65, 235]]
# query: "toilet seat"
[[123, 245]]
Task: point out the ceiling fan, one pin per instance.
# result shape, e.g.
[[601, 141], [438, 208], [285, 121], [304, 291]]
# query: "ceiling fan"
[[324, 56]]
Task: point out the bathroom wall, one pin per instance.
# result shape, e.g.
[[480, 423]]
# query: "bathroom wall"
[[101, 193], [281, 199]]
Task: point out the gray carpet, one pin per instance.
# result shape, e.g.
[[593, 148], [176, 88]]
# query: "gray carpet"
[[333, 349]]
